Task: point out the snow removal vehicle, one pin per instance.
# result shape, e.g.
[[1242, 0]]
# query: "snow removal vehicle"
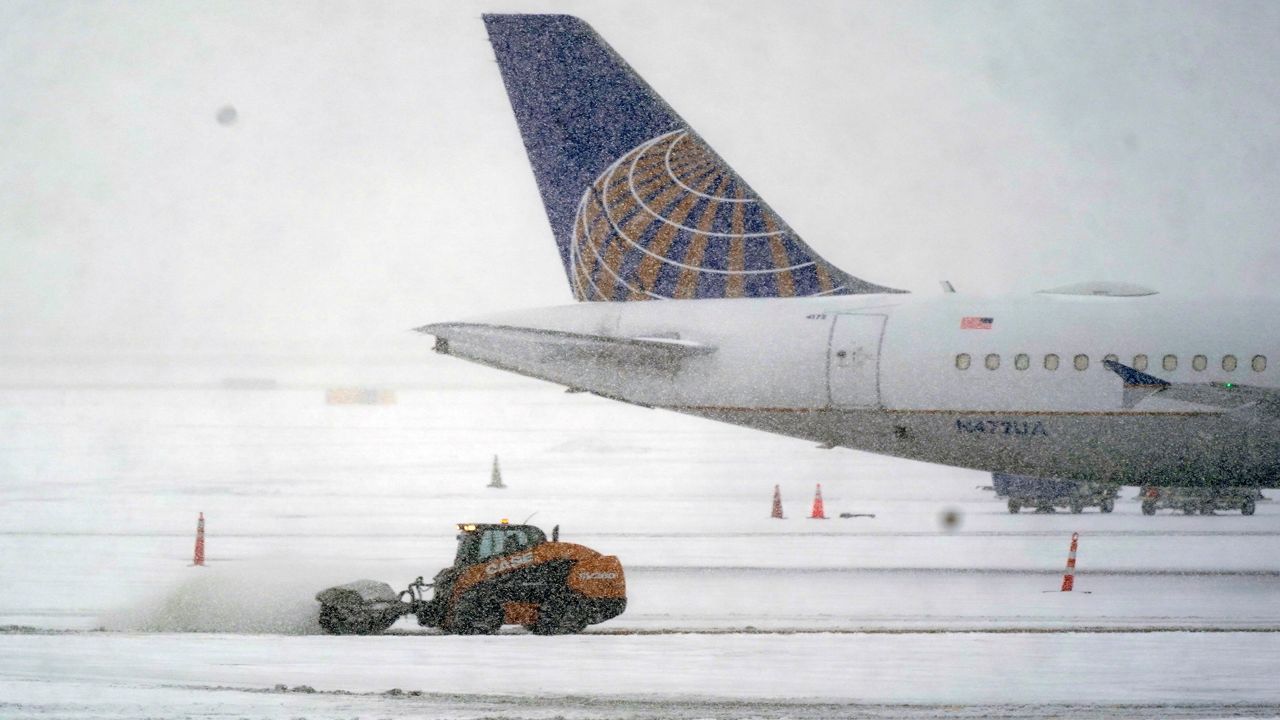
[[502, 575]]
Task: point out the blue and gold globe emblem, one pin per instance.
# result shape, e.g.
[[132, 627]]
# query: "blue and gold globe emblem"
[[670, 219]]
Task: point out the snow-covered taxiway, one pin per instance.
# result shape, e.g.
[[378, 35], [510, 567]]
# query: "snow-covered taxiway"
[[732, 614]]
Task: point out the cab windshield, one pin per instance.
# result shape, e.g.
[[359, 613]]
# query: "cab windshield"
[[487, 542]]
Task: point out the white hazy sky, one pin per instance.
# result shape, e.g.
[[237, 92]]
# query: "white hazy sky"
[[375, 179]]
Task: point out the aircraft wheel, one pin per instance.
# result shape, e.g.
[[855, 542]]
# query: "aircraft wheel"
[[1015, 507], [1108, 505], [1077, 507], [1148, 507], [1247, 507]]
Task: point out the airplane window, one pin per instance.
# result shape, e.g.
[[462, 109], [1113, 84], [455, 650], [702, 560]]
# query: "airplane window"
[[1139, 362], [1022, 361], [1112, 357], [1259, 363], [1229, 363], [1199, 362], [1050, 362], [1081, 362], [1170, 362], [962, 361], [993, 361]]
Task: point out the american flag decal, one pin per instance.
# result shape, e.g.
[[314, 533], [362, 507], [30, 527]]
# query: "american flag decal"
[[976, 323]]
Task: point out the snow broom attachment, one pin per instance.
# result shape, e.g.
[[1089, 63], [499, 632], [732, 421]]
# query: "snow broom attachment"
[[363, 607]]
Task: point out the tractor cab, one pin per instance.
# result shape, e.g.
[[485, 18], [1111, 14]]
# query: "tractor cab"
[[481, 542], [478, 543]]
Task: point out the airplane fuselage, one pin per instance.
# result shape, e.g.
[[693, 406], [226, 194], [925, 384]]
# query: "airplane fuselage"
[[1013, 385]]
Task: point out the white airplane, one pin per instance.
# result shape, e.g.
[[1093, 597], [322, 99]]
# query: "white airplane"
[[694, 296]]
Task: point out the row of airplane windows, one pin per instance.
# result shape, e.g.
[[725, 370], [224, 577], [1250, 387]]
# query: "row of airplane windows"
[[1022, 361]]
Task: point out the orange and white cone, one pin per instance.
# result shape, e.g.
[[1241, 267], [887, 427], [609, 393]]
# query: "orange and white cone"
[[777, 503], [1069, 578], [819, 512], [199, 558]]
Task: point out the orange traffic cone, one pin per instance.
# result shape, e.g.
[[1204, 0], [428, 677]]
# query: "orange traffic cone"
[[777, 503], [818, 511], [1069, 578], [199, 559]]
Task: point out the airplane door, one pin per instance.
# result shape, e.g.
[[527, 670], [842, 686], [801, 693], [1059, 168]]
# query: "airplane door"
[[853, 361]]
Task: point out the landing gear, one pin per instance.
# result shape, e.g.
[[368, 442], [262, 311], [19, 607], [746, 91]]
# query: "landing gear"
[[1247, 507], [1015, 507], [1148, 507], [1107, 505]]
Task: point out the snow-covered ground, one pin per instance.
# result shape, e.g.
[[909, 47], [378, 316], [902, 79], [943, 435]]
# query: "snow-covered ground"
[[731, 613]]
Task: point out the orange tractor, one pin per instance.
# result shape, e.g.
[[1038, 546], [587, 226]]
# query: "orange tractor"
[[502, 575]]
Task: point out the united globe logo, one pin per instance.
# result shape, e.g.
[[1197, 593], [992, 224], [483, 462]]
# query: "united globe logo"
[[670, 219]]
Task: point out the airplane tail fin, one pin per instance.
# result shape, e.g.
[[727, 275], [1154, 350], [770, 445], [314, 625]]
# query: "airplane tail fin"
[[641, 207]]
